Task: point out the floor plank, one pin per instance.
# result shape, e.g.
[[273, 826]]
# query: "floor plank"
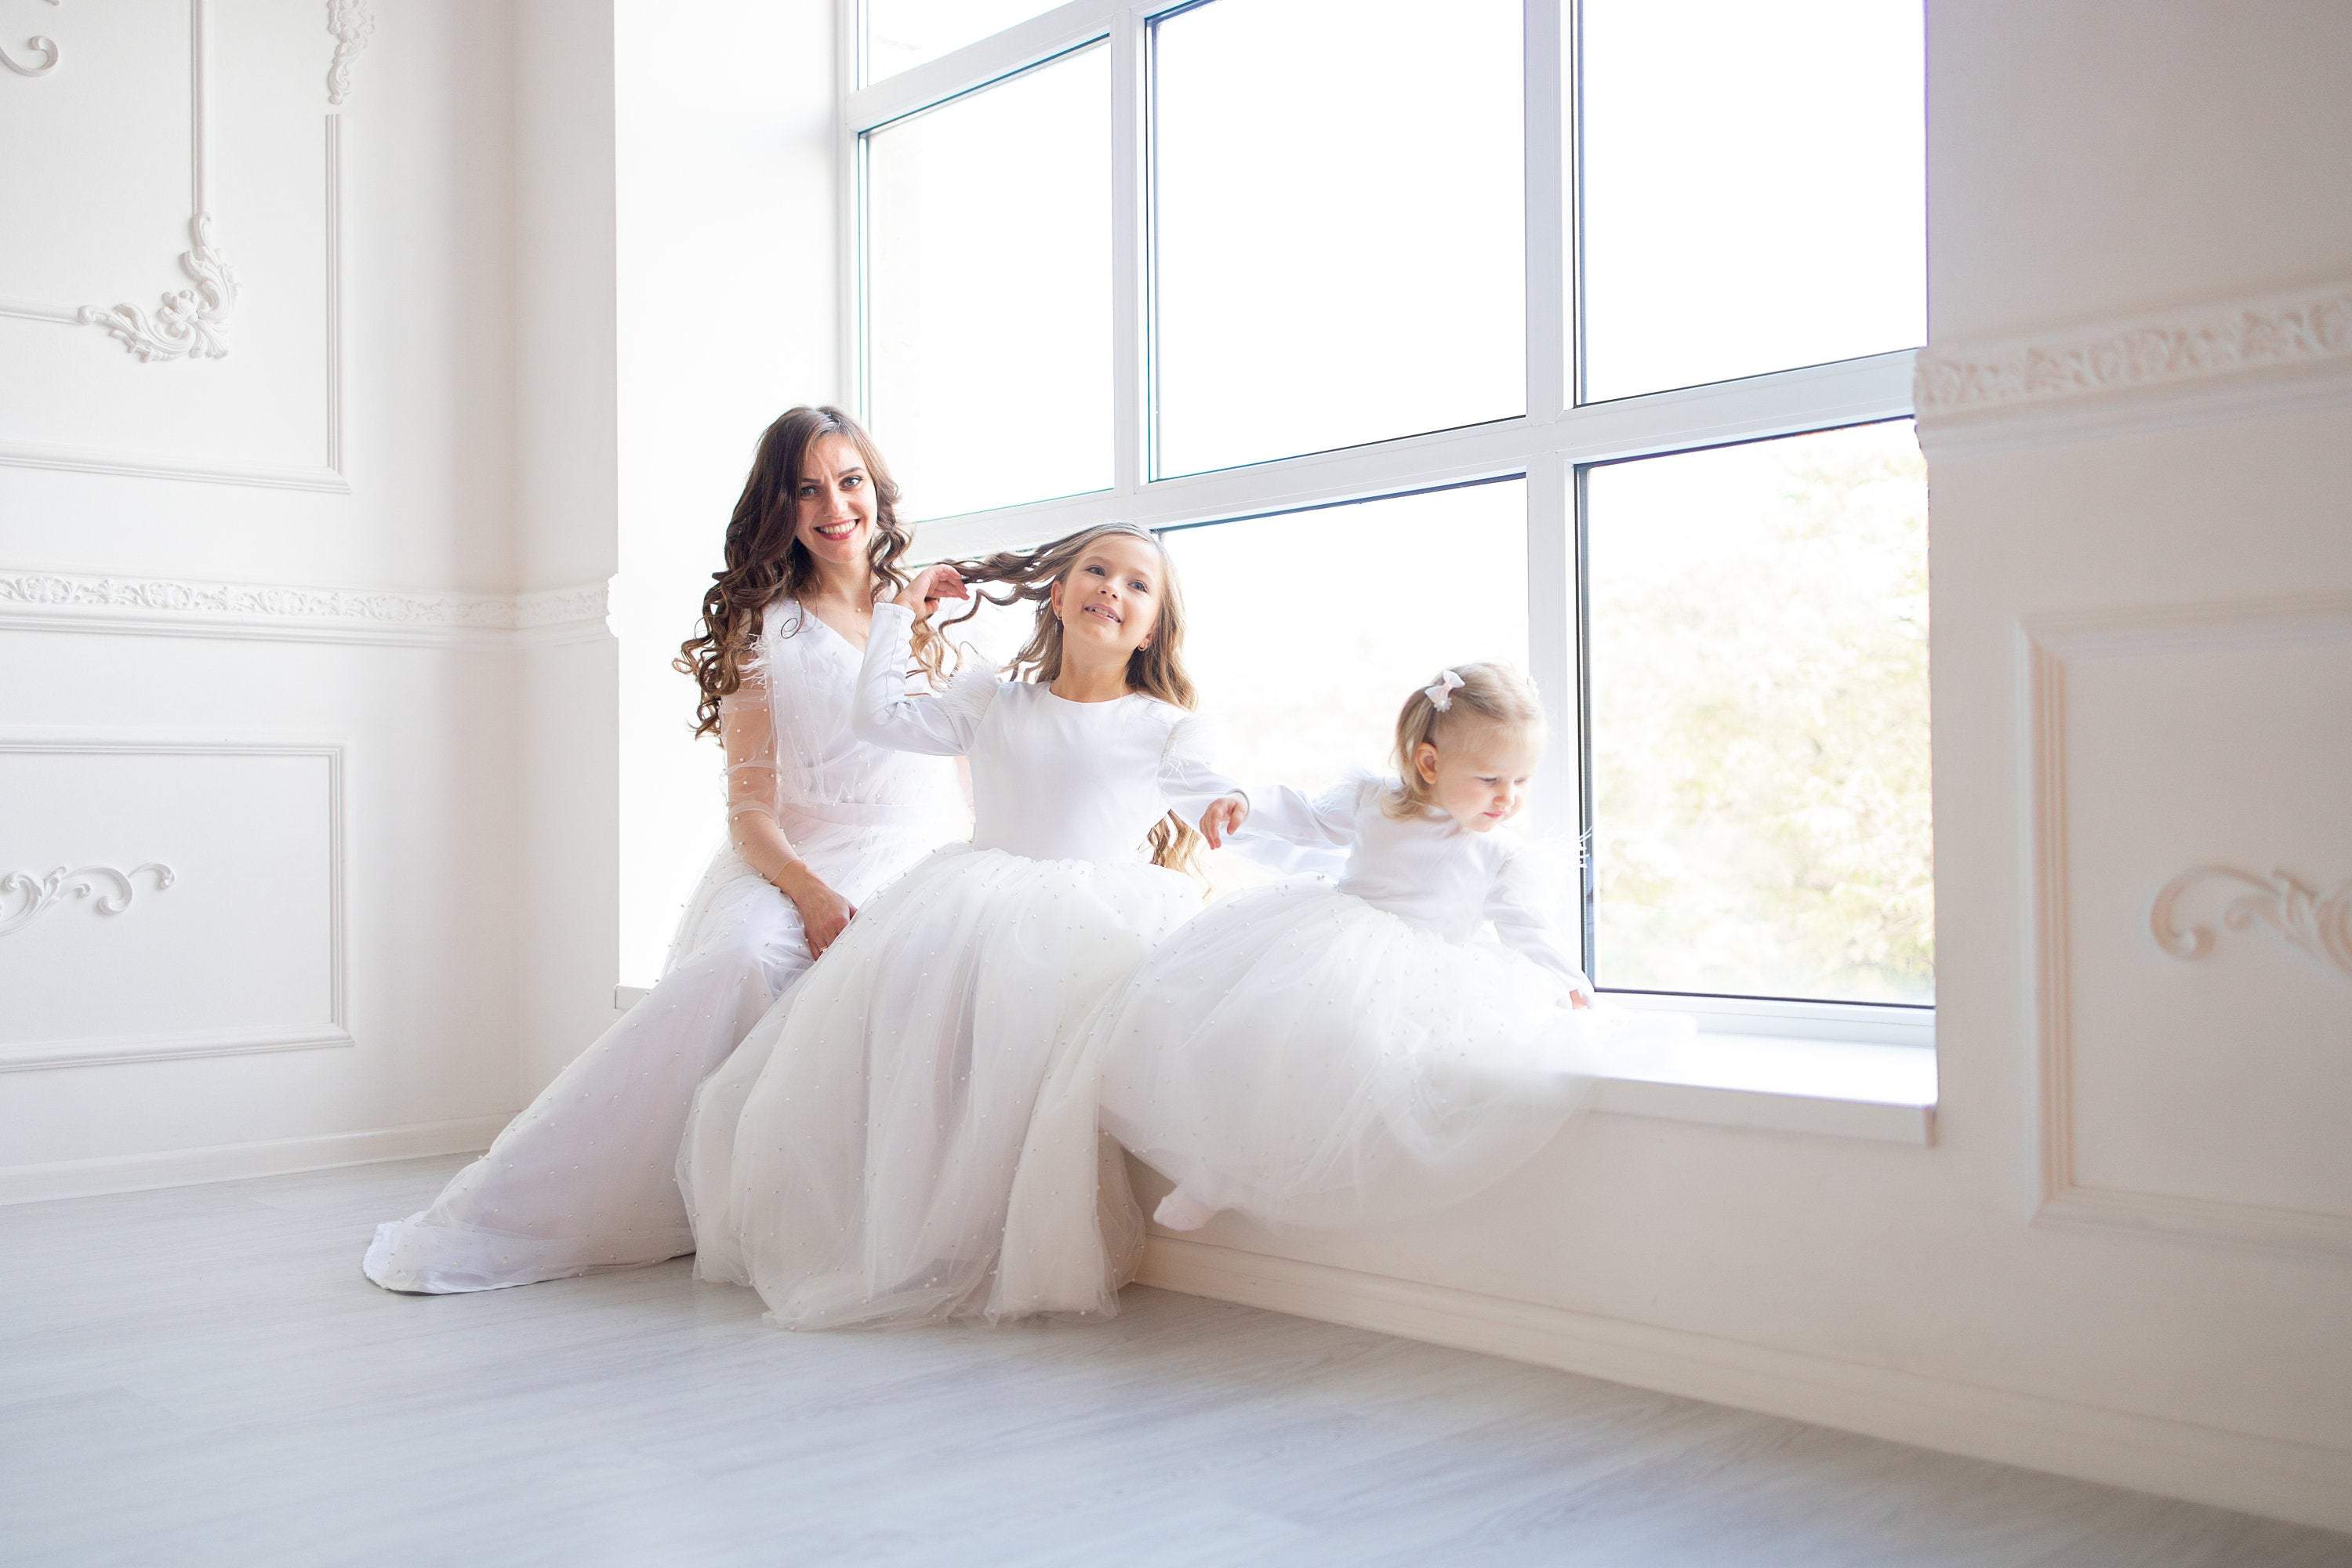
[[201, 1375]]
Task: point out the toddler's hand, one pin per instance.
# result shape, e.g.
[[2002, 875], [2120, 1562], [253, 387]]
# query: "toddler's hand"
[[1223, 817]]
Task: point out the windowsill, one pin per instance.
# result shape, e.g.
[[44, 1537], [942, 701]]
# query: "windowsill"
[[1835, 1088], [1838, 1088]]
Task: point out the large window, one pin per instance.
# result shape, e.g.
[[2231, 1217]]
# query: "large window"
[[1575, 334]]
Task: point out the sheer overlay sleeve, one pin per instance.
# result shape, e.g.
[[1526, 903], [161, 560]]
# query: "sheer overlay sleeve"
[[1521, 901], [747, 727], [1186, 775], [887, 714], [1289, 830]]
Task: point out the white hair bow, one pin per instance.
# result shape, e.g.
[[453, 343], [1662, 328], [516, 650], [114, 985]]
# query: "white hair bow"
[[1441, 691]]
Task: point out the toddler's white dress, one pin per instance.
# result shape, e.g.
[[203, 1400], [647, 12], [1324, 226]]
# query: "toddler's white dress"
[[585, 1179], [1335, 1056], [921, 1140]]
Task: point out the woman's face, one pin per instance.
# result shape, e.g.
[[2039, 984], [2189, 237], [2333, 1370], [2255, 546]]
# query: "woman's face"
[[1109, 598], [833, 510]]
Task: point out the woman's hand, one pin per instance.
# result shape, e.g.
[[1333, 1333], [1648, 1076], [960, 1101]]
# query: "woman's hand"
[[1225, 815], [823, 912], [929, 586]]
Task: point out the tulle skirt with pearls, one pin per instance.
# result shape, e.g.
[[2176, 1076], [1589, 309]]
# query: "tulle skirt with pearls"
[[1304, 1058], [912, 1134]]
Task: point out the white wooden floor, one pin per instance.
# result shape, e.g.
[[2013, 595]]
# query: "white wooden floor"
[[201, 1375]]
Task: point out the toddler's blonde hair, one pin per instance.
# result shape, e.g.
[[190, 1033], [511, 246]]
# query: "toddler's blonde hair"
[[1491, 695]]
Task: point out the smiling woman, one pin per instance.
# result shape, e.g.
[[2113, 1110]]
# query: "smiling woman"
[[817, 821]]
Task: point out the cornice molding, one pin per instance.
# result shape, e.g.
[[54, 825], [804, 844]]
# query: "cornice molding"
[[165, 606], [2213, 351]]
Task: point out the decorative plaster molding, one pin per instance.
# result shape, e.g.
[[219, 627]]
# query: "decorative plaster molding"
[[2316, 924], [42, 894], [44, 48], [58, 601], [331, 1032], [190, 323], [352, 24], [2051, 646], [2307, 327]]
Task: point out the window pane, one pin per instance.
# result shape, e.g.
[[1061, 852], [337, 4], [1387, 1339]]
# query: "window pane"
[[1302, 648], [988, 291], [1338, 225], [1753, 188], [1757, 637], [902, 33]]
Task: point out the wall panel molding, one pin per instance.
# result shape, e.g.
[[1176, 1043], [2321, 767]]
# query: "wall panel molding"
[[2051, 646], [166, 606], [193, 323], [102, 1051], [2194, 364]]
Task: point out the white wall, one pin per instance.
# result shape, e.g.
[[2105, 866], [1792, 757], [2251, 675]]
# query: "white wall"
[[2162, 508], [724, 153], [306, 543]]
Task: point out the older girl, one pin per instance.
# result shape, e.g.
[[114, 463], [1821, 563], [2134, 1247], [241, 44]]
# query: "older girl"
[[818, 820], [922, 1142]]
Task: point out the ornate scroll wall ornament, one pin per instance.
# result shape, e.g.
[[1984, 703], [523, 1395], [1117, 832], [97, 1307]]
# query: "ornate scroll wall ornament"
[[352, 25], [188, 325], [44, 48], [41, 894], [2316, 924]]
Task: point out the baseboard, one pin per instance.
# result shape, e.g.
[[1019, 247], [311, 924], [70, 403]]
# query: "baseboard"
[[2267, 1475], [233, 1162]]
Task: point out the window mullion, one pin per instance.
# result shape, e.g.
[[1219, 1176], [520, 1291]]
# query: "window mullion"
[[1551, 639], [1130, 347], [1543, 99]]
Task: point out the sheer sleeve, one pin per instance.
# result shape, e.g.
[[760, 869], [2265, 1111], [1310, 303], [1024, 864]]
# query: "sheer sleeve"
[[1522, 900], [1186, 775], [887, 714], [747, 727], [1289, 830]]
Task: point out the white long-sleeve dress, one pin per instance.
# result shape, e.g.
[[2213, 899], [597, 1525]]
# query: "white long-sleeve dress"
[[921, 1142], [583, 1179], [1335, 1056]]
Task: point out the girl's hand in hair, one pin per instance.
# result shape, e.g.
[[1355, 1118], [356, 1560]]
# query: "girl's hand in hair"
[[1223, 816], [931, 586]]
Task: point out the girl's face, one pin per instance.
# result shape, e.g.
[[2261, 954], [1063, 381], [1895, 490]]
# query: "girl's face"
[[1480, 777], [1108, 601], [832, 509]]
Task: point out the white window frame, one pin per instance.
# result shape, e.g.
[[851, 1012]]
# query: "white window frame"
[[1547, 445]]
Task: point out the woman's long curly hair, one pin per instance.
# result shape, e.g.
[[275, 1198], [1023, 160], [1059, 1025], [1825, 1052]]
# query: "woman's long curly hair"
[[1012, 576], [766, 561]]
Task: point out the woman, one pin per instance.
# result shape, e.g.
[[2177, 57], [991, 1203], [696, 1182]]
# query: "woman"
[[818, 821], [914, 1139]]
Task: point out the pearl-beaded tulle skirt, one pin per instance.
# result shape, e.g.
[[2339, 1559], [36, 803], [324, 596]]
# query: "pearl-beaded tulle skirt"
[[911, 1134], [1297, 1055], [585, 1178]]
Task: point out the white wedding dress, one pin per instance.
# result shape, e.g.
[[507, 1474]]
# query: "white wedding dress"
[[585, 1178], [917, 1139], [1341, 1056]]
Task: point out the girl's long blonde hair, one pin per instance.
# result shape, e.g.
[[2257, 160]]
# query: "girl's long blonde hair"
[[766, 561], [1490, 694], [1012, 576]]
